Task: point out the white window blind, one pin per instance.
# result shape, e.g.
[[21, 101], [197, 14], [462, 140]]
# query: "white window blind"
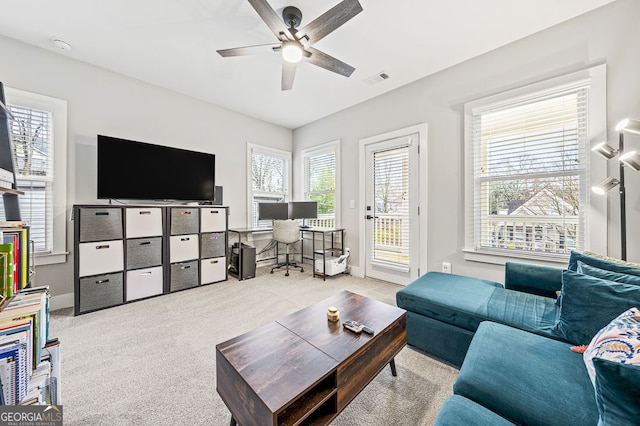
[[391, 230], [530, 173], [269, 180], [32, 139], [320, 186]]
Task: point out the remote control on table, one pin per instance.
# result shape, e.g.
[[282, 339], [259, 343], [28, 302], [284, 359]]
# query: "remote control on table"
[[356, 327]]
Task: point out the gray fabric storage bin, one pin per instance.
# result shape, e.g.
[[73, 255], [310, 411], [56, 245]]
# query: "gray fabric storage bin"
[[213, 244], [185, 221], [144, 252], [101, 291], [184, 275], [100, 224]]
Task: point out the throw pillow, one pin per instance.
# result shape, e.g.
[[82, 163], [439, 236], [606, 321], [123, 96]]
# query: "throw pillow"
[[619, 341], [617, 392], [602, 262], [589, 303], [618, 277]]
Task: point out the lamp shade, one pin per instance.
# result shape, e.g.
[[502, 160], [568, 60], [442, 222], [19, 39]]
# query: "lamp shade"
[[628, 125], [631, 159], [605, 150], [605, 185]]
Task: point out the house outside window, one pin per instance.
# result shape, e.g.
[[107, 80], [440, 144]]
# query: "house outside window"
[[320, 165], [38, 135], [528, 161], [269, 180]]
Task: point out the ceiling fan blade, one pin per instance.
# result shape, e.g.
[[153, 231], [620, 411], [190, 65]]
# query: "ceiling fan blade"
[[288, 74], [271, 18], [329, 21], [249, 50], [328, 62]]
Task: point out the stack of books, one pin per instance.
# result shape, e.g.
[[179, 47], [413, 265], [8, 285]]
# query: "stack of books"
[[29, 360], [14, 258]]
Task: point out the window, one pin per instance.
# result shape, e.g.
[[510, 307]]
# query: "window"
[[320, 165], [269, 183], [529, 167], [38, 134]]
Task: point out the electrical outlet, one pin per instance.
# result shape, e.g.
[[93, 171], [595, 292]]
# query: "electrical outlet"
[[352, 204], [446, 267]]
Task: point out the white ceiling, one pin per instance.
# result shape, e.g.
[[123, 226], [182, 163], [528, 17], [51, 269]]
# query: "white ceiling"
[[173, 43]]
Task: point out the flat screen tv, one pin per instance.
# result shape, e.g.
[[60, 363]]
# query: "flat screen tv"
[[131, 170]]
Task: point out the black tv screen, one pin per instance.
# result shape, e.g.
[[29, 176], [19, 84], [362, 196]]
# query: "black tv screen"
[[131, 170]]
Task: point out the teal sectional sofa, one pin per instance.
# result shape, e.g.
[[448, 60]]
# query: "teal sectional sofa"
[[513, 342]]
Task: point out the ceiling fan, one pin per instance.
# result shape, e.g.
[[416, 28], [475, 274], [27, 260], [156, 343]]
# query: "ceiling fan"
[[295, 44]]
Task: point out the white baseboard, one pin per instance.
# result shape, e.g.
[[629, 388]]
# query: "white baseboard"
[[356, 271], [61, 301]]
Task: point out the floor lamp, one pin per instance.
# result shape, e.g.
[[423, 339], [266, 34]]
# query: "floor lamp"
[[629, 159]]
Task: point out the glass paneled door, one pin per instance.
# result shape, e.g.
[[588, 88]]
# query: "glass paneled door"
[[391, 209]]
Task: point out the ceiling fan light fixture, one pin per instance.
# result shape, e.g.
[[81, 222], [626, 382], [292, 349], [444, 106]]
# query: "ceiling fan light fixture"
[[291, 51]]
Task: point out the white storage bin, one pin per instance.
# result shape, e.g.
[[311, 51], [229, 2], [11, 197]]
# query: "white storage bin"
[[100, 257], [213, 270], [183, 247], [332, 266], [144, 283], [144, 222], [213, 219]]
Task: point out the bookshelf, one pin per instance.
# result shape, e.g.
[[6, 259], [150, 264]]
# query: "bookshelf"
[[29, 359]]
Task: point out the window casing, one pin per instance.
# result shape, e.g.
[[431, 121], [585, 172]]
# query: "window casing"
[[39, 141], [320, 166], [269, 180], [528, 170]]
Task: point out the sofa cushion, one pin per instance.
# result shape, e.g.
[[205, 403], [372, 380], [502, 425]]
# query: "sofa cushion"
[[618, 277], [588, 304], [618, 341], [458, 410], [527, 378], [602, 262], [466, 302], [617, 392]]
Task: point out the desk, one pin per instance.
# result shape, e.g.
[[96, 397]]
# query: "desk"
[[323, 232]]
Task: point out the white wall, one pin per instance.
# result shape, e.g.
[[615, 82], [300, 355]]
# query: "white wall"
[[103, 102], [608, 35]]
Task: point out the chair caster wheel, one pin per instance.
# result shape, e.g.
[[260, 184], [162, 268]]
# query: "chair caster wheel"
[[286, 275], [301, 270], [271, 272]]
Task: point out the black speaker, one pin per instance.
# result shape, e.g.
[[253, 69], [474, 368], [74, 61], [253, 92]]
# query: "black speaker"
[[217, 196]]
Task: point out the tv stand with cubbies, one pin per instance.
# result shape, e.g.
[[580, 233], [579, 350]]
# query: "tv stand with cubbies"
[[126, 253]]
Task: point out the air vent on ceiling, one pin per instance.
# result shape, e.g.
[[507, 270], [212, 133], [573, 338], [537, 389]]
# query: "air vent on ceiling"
[[377, 78]]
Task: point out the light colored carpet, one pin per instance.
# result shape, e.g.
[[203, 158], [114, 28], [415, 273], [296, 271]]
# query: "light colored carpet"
[[153, 362]]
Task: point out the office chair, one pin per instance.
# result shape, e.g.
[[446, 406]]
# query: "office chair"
[[286, 232]]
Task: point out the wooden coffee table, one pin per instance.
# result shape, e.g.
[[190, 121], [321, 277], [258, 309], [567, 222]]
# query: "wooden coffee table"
[[304, 369]]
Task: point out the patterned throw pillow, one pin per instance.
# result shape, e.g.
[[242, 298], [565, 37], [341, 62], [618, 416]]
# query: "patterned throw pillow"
[[619, 341]]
